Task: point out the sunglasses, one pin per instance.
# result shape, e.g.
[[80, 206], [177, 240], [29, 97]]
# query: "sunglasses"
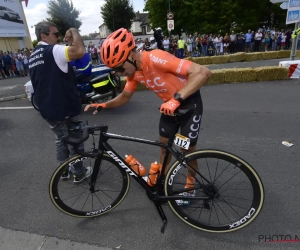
[[119, 69], [57, 34]]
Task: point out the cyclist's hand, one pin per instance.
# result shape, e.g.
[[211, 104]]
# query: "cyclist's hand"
[[169, 107], [97, 106]]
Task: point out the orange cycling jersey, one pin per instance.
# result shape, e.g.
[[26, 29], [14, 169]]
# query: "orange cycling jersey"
[[161, 72]]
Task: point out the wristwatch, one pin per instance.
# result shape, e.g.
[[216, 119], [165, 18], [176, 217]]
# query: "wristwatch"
[[177, 97]]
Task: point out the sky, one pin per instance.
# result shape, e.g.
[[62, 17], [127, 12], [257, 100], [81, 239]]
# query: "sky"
[[89, 15]]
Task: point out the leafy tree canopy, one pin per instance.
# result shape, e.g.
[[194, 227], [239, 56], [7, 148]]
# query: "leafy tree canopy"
[[34, 43], [214, 16], [117, 14], [63, 14]]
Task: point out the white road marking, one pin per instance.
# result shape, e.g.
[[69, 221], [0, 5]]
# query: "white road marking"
[[8, 87], [29, 107]]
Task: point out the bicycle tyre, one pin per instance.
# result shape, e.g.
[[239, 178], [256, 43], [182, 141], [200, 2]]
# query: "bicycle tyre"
[[33, 102], [77, 200], [223, 197]]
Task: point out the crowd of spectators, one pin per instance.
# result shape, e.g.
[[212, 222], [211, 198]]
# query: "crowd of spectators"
[[262, 40], [14, 64]]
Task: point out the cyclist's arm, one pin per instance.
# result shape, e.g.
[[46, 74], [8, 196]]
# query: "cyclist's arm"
[[120, 100], [197, 76]]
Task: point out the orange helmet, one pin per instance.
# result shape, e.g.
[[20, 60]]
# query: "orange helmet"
[[116, 47]]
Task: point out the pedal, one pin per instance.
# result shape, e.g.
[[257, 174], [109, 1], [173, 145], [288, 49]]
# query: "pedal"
[[164, 226], [162, 216]]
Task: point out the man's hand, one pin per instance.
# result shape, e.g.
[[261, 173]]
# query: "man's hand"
[[97, 106], [169, 107], [68, 37]]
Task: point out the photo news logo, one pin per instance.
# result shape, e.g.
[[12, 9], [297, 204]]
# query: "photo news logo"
[[267, 238]]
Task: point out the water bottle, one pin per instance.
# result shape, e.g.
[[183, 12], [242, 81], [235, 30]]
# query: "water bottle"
[[135, 165], [153, 173]]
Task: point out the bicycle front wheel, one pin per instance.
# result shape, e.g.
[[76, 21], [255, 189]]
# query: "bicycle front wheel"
[[78, 199], [225, 193]]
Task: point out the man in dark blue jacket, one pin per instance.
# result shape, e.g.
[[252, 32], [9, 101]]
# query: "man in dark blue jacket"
[[54, 85]]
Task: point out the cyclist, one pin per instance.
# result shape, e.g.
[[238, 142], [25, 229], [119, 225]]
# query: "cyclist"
[[175, 81]]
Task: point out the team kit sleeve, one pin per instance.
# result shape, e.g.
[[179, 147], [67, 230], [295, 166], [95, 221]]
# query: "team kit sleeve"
[[167, 63], [61, 57], [130, 85]]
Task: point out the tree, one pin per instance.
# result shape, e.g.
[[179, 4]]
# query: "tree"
[[34, 43], [117, 14], [214, 16], [63, 14]]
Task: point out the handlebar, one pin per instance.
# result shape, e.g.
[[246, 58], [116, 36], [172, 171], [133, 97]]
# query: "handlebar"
[[75, 137], [185, 109]]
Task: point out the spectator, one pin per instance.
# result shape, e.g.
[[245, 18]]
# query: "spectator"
[[153, 43], [158, 38], [248, 38], [279, 41], [252, 41], [2, 73], [226, 43], [189, 45], [204, 44], [7, 61], [25, 62], [233, 39], [146, 44], [180, 47], [274, 41], [218, 42], [166, 44], [288, 35], [139, 44], [283, 37], [19, 63], [172, 46], [198, 46], [241, 39], [258, 37], [267, 41]]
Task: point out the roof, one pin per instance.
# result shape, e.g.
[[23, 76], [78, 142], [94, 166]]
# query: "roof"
[[142, 18]]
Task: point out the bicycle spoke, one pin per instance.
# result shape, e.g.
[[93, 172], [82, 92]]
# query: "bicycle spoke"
[[225, 187], [83, 200], [229, 179]]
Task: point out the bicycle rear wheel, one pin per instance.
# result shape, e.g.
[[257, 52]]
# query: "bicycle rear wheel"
[[232, 189], [76, 199]]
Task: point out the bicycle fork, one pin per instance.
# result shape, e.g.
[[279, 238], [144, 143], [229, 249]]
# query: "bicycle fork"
[[96, 171]]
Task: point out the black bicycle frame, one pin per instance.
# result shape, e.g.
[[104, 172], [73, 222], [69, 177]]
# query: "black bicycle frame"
[[154, 193], [104, 146]]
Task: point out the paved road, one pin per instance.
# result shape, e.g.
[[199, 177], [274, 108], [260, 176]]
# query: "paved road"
[[12, 86], [248, 119], [15, 86]]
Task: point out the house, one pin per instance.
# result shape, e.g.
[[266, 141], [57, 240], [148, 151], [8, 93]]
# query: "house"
[[103, 31], [140, 26], [94, 35]]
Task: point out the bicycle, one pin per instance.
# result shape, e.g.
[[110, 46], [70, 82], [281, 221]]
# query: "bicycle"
[[227, 193]]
